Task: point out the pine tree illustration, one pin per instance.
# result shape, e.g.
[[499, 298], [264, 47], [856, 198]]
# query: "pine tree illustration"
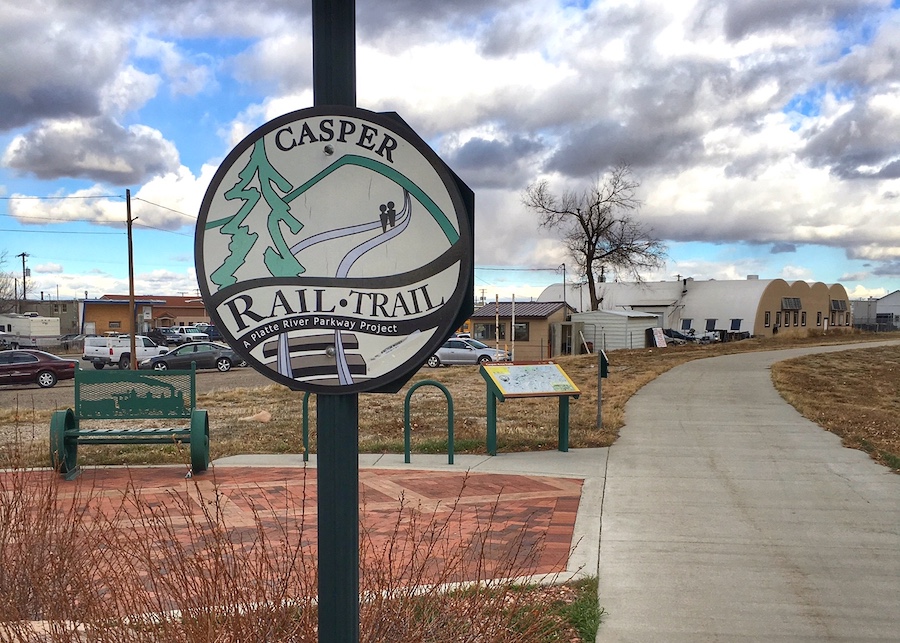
[[278, 257]]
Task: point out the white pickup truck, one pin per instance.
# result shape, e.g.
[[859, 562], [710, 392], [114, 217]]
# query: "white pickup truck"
[[185, 334], [104, 351]]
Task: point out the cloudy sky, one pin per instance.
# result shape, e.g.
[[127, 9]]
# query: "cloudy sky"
[[765, 133]]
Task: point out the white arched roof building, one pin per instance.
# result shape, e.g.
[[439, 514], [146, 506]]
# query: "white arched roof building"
[[754, 306]]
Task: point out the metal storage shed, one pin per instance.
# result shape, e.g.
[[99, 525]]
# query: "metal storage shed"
[[614, 329]]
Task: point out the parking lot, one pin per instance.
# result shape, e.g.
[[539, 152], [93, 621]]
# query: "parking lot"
[[63, 394]]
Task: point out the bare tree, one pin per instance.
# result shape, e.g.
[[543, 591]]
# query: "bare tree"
[[598, 226], [7, 286]]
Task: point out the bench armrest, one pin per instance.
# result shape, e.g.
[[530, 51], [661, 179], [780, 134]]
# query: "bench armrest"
[[63, 455], [199, 441]]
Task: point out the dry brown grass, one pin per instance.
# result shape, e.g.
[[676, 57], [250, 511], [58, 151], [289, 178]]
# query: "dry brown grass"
[[523, 424], [863, 392]]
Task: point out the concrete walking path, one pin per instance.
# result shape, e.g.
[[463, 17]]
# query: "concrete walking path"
[[727, 516]]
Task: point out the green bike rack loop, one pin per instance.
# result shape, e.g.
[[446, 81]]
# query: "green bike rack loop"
[[407, 431]]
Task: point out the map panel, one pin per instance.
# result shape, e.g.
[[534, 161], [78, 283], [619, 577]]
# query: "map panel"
[[522, 380]]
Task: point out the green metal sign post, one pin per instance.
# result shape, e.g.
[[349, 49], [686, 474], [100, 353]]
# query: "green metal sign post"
[[337, 416], [602, 373], [302, 247]]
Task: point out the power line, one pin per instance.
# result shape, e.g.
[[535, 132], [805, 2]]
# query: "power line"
[[553, 269], [56, 231], [96, 196], [150, 227], [193, 218], [57, 198], [50, 219]]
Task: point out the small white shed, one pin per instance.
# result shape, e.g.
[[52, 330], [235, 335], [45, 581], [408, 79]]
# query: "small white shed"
[[615, 329]]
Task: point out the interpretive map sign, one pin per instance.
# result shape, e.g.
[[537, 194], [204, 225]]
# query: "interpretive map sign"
[[334, 250], [524, 380], [527, 380]]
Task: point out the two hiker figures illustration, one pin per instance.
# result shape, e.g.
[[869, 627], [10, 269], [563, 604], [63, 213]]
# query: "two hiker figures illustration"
[[388, 215]]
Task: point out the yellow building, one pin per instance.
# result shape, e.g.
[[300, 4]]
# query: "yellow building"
[[526, 329], [111, 313]]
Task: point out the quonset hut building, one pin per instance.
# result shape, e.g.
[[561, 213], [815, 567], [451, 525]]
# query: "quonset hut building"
[[732, 308]]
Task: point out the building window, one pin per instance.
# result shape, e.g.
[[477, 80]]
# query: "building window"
[[819, 318], [686, 324], [803, 318], [710, 324], [56, 308], [65, 307], [735, 324], [520, 331], [796, 318], [115, 324], [832, 318], [846, 319], [790, 303], [778, 318], [768, 318], [486, 332]]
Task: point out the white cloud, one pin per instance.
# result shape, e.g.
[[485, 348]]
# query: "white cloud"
[[751, 122], [48, 268], [185, 76], [128, 91], [797, 273], [90, 204], [180, 193], [98, 149], [861, 292]]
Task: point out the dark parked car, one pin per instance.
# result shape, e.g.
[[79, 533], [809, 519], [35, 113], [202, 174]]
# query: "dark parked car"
[[26, 365], [163, 336], [212, 331], [206, 354]]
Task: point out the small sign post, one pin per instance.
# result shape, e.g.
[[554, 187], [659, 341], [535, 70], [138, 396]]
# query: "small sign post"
[[602, 372]]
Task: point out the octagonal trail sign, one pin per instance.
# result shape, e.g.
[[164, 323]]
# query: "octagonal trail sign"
[[334, 250]]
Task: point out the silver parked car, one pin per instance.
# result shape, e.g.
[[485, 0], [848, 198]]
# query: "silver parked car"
[[466, 351]]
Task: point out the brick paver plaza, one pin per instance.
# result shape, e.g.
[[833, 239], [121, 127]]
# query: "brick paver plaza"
[[535, 514]]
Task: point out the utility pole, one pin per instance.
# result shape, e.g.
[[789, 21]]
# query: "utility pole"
[[24, 274], [565, 304], [128, 222]]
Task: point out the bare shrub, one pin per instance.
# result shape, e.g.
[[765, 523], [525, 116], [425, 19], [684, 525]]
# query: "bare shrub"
[[80, 563], [77, 568], [425, 584]]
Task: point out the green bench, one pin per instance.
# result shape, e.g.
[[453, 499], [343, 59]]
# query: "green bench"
[[130, 395]]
